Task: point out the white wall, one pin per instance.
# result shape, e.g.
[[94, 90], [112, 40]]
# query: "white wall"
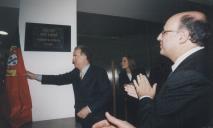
[[49, 102]]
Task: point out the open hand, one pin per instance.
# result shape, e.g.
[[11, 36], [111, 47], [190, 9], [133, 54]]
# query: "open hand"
[[143, 87], [112, 122]]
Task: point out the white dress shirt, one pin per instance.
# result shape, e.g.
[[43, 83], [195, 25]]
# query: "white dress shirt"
[[129, 76], [184, 56], [84, 71]]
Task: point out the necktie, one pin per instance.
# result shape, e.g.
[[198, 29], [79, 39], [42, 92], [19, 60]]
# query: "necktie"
[[81, 75]]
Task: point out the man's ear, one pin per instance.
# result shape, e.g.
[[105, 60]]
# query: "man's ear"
[[184, 36]]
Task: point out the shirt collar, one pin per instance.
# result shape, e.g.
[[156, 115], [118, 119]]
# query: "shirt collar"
[[84, 70], [129, 76], [184, 56]]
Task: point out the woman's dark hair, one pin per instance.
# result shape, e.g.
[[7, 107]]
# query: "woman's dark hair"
[[86, 51], [199, 29], [131, 61]]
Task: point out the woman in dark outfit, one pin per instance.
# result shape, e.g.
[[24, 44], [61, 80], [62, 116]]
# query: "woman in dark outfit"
[[127, 106]]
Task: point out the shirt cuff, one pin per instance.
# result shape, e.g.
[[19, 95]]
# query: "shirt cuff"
[[145, 97], [89, 109], [38, 77]]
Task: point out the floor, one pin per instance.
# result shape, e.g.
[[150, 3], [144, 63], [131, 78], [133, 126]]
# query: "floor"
[[56, 123]]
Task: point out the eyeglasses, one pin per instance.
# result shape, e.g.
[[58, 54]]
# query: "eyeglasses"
[[166, 31]]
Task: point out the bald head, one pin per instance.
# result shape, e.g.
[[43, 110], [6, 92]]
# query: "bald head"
[[197, 25], [195, 15], [182, 32]]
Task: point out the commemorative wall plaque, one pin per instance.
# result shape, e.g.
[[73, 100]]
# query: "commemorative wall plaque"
[[47, 37]]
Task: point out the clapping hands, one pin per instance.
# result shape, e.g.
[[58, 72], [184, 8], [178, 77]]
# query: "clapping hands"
[[141, 88]]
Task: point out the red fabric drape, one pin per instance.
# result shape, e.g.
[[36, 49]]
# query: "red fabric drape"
[[17, 90]]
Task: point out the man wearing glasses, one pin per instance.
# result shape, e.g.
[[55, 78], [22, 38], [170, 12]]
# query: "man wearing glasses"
[[185, 100]]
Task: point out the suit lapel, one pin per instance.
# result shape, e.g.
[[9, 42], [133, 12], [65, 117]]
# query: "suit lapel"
[[188, 61], [186, 64]]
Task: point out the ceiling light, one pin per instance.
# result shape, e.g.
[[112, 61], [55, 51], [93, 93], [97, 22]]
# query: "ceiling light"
[[3, 33]]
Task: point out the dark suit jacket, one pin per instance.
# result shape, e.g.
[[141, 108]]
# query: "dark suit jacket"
[[184, 101], [93, 90]]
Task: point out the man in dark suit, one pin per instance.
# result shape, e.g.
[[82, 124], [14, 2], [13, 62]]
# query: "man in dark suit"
[[185, 100], [91, 86]]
